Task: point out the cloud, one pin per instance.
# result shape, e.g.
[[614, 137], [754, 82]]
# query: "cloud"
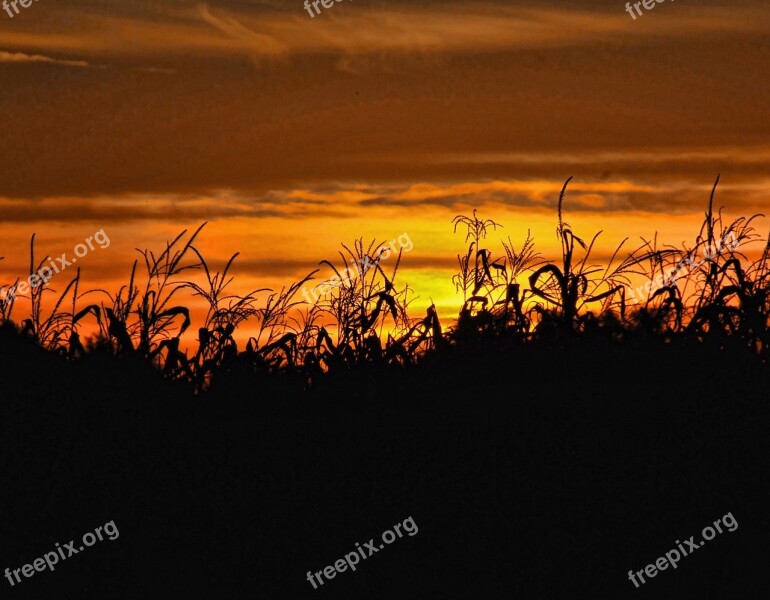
[[584, 195], [461, 92], [169, 208], [259, 44], [353, 200], [353, 30], [159, 70], [20, 57]]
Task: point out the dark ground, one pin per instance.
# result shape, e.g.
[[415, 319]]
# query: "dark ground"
[[529, 475]]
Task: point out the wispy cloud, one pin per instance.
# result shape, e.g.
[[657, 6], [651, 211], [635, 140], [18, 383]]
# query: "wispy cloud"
[[159, 70], [169, 208], [261, 45], [353, 30], [20, 57]]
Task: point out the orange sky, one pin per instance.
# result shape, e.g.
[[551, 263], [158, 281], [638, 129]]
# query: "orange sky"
[[291, 134]]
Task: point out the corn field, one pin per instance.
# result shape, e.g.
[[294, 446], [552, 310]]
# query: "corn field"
[[513, 295]]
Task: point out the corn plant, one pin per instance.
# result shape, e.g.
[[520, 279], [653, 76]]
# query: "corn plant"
[[361, 299], [660, 312], [225, 313], [510, 309], [157, 319], [751, 290], [406, 346], [568, 288], [143, 320], [118, 328], [75, 347], [475, 277], [729, 300], [275, 346], [51, 332], [474, 267]]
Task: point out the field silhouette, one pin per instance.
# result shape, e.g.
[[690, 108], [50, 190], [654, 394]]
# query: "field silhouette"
[[557, 435]]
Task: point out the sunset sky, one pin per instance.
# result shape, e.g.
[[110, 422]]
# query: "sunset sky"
[[291, 134]]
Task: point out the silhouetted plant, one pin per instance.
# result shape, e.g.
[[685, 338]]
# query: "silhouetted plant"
[[53, 331], [510, 310], [567, 289], [156, 317], [275, 347], [225, 313], [474, 274], [357, 306]]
